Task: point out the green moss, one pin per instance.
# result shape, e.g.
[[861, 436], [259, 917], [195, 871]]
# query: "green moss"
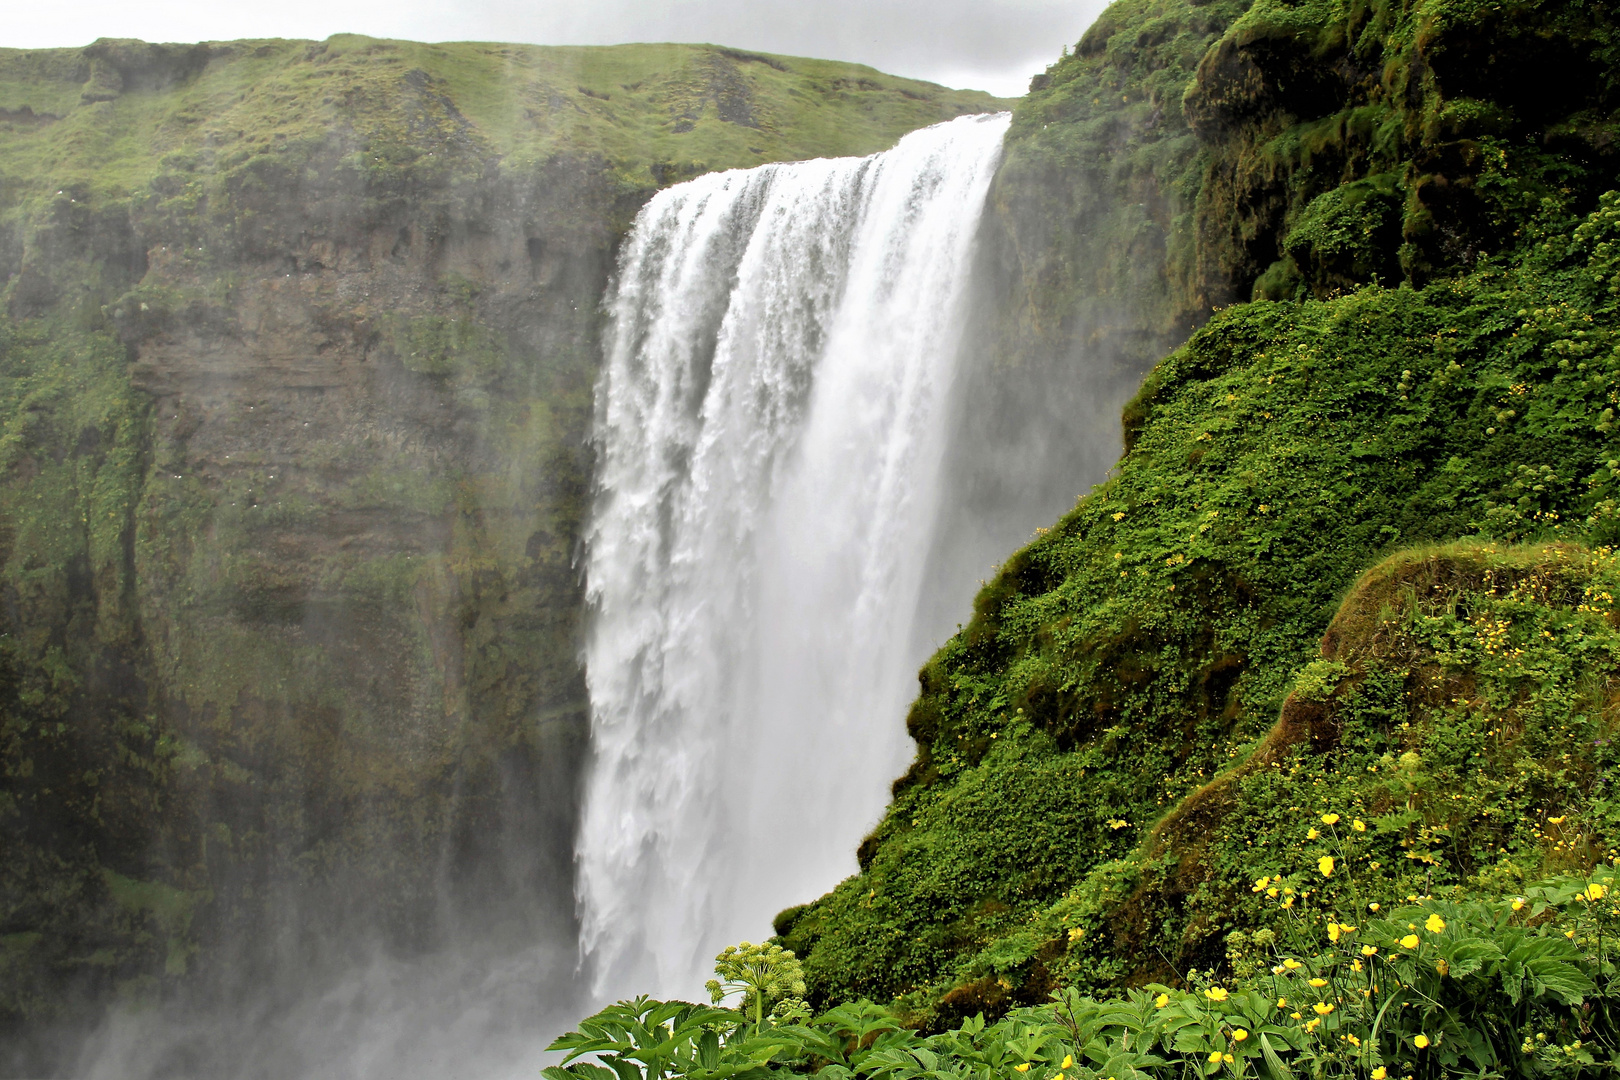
[[1094, 200], [444, 345], [401, 489], [1147, 642], [1370, 141]]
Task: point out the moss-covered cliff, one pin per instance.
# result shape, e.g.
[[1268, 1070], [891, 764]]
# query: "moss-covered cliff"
[[1430, 356], [295, 368]]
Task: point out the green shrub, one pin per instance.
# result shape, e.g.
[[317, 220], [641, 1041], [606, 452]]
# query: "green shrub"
[[1519, 987]]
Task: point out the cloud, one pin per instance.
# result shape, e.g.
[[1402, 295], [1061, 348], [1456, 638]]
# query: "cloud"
[[965, 43]]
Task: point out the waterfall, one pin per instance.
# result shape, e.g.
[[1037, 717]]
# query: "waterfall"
[[770, 432]]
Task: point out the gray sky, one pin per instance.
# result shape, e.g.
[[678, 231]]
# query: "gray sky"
[[993, 45]]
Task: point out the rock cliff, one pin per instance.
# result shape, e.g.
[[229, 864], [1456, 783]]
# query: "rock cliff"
[[295, 376]]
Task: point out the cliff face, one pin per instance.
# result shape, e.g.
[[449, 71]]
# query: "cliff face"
[[1427, 357], [295, 376], [1085, 275]]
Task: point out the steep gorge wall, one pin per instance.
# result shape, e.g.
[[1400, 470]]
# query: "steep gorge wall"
[[295, 374]]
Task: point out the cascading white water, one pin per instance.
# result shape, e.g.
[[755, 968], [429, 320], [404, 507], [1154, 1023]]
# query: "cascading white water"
[[770, 429]]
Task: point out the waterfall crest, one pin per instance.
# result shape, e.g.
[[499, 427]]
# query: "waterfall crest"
[[769, 435]]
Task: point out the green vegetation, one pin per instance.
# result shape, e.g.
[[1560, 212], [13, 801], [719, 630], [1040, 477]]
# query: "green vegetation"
[[1143, 646], [1426, 988], [763, 974], [176, 121]]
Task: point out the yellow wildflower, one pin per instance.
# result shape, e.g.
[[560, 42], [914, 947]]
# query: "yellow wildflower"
[[1420, 1041], [1161, 1001], [1313, 834], [1021, 1068], [1239, 1034], [1312, 1025], [1322, 1008], [1435, 924], [1380, 1073], [1410, 941], [1227, 1058], [1288, 903], [1330, 819], [1595, 891], [1292, 965], [1271, 893], [1372, 907], [1214, 1057], [1559, 820], [1355, 965], [1068, 1060], [1215, 993], [1518, 905], [1319, 983], [1369, 950], [1325, 864], [1359, 825], [1282, 1003], [1260, 884]]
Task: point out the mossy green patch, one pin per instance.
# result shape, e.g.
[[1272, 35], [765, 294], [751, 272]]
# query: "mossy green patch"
[[1146, 643]]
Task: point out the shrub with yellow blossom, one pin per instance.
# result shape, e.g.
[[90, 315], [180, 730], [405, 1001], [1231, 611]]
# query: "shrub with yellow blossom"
[[1423, 988]]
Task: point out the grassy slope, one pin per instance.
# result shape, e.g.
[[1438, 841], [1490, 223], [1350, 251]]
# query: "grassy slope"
[[633, 105], [1148, 641]]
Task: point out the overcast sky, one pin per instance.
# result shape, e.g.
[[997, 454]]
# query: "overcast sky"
[[993, 45]]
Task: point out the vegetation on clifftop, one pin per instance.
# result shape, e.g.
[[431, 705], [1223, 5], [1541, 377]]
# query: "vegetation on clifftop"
[[128, 117]]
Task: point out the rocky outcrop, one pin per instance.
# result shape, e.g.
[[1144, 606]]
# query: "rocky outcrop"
[[294, 471]]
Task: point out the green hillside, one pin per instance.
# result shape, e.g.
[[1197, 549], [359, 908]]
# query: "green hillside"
[[121, 113]]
